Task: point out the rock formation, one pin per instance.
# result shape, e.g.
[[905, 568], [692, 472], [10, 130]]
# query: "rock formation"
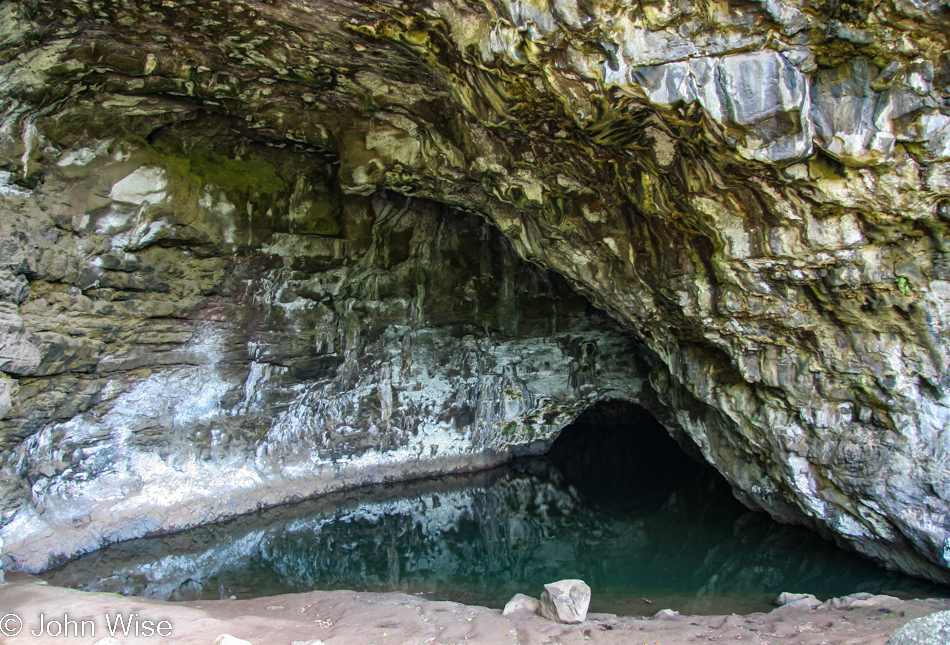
[[934, 628], [176, 378], [236, 267], [565, 601]]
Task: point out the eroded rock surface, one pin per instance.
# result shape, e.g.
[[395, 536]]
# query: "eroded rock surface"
[[934, 628], [759, 190], [180, 373]]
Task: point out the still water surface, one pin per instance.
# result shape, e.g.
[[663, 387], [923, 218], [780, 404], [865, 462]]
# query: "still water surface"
[[627, 513]]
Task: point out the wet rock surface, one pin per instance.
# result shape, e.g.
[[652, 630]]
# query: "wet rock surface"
[[758, 191]]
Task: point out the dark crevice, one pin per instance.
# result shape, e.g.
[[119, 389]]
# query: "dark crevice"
[[617, 453]]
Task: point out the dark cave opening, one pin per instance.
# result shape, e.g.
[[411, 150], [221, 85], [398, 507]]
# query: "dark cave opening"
[[616, 453]]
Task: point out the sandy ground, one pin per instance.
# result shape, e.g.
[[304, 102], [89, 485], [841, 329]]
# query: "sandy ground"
[[351, 618]]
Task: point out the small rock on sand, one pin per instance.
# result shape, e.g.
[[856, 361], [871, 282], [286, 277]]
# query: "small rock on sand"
[[874, 601], [227, 639], [565, 601], [666, 614], [521, 602], [797, 600], [858, 600], [929, 630]]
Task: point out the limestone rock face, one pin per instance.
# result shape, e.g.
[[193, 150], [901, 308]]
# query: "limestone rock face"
[[760, 192]]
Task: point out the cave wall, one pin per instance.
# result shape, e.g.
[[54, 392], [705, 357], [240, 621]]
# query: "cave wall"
[[759, 190], [177, 359]]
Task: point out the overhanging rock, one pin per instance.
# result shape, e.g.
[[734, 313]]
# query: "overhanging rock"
[[761, 192]]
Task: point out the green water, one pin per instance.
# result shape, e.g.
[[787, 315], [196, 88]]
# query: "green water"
[[635, 519]]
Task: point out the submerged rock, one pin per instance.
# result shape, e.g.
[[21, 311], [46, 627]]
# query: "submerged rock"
[[565, 601]]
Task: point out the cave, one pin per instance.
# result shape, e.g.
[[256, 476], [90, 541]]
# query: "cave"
[[261, 252], [617, 453]]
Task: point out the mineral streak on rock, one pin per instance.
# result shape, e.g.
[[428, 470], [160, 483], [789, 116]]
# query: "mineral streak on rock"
[[194, 207]]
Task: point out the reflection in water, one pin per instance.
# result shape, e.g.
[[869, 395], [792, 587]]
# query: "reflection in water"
[[633, 519]]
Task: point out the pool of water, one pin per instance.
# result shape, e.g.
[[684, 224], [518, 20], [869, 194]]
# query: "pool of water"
[[637, 520]]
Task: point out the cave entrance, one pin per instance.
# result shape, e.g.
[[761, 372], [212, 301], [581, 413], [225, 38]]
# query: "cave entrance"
[[617, 454]]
